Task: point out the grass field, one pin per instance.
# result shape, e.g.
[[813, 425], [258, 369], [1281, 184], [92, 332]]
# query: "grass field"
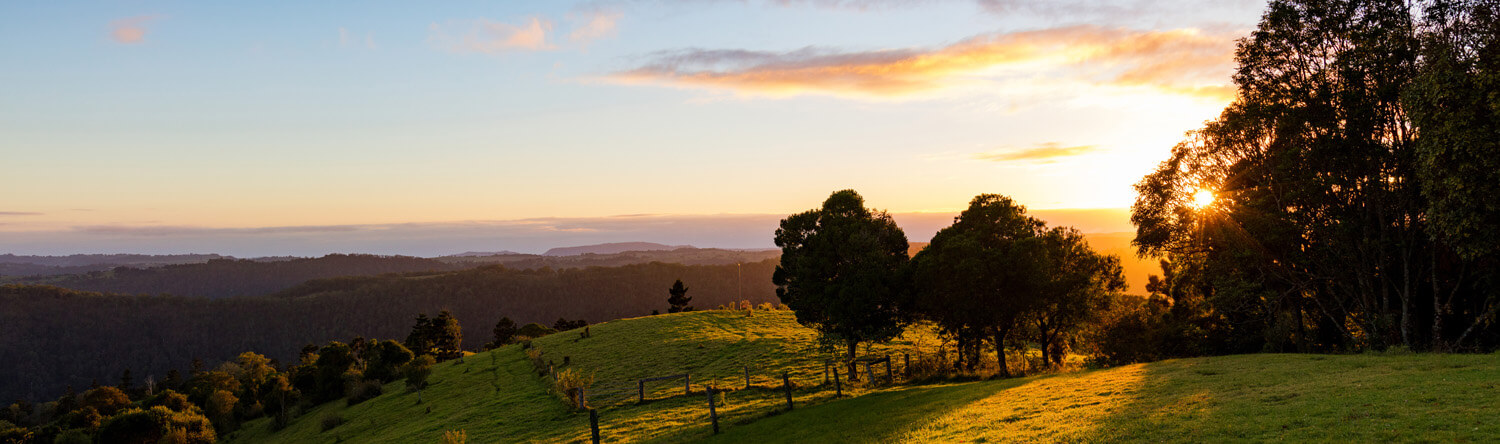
[[1362, 398], [498, 397]]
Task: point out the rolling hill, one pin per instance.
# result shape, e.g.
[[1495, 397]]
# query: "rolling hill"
[[497, 396]]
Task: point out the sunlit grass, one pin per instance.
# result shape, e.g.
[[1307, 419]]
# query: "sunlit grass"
[[1363, 398], [497, 396]]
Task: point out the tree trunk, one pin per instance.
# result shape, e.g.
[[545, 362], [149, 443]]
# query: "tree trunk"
[[853, 366], [1000, 334]]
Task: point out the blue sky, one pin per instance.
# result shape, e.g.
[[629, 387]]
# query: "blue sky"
[[130, 117]]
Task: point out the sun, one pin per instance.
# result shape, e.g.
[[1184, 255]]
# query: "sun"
[[1203, 198]]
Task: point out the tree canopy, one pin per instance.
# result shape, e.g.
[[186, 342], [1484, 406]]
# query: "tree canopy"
[[841, 270]]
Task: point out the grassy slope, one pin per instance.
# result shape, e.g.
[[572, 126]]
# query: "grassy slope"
[[1365, 398], [496, 397]]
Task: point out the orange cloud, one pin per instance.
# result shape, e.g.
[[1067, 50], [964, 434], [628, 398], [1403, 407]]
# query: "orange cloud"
[[491, 37], [130, 30], [1042, 152], [1184, 61]]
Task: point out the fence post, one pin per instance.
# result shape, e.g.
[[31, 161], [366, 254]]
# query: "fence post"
[[786, 383], [870, 371], [838, 389], [594, 424], [906, 367], [888, 377], [712, 414], [641, 385], [687, 384], [825, 372], [582, 398], [747, 377]]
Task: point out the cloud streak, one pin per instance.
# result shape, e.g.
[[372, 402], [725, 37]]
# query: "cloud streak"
[[492, 37], [593, 25], [19, 213], [130, 30], [1045, 152], [1184, 61]]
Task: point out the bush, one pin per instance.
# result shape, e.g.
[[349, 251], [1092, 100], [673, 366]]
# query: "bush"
[[569, 382], [765, 306], [331, 420], [535, 330], [455, 437], [74, 436], [364, 391]]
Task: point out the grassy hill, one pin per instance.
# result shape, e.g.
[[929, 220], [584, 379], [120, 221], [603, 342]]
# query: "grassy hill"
[[498, 397]]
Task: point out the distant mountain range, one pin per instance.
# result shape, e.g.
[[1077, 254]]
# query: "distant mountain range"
[[612, 248]]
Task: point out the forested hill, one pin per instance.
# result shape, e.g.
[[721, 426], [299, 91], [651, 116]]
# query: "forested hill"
[[51, 337], [221, 278]]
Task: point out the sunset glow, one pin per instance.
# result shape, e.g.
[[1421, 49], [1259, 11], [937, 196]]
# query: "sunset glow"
[[196, 118]]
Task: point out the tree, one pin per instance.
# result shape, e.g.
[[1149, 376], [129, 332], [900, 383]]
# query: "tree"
[[107, 400], [841, 271], [441, 336], [535, 330], [678, 298], [1322, 236], [383, 360], [980, 275], [505, 332], [416, 373], [1078, 285]]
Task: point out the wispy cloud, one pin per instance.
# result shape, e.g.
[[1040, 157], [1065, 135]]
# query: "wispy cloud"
[[349, 40], [1045, 152], [1184, 61], [591, 25], [19, 213], [491, 37], [131, 30]]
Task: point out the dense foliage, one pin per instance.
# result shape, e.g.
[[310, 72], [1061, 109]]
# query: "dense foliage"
[[1355, 178], [841, 271]]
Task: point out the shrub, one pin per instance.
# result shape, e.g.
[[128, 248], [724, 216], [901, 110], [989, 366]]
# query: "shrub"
[[782, 307], [569, 382], [535, 330], [74, 436], [331, 420], [364, 391], [765, 306], [455, 437]]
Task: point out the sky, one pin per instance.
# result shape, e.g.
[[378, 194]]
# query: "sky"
[[273, 128]]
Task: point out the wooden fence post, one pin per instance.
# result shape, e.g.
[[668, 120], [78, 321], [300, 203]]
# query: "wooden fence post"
[[838, 389], [888, 377], [786, 383], [906, 367], [825, 371], [687, 384], [712, 414], [594, 424], [582, 399], [747, 377], [642, 387], [870, 371]]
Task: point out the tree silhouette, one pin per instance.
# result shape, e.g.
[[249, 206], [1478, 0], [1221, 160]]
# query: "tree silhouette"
[[678, 298], [980, 275], [841, 271]]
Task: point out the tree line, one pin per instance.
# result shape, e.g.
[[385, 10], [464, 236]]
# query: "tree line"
[[1355, 179], [996, 275], [212, 403]]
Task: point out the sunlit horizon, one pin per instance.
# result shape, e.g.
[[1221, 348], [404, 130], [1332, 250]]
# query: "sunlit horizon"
[[171, 117]]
